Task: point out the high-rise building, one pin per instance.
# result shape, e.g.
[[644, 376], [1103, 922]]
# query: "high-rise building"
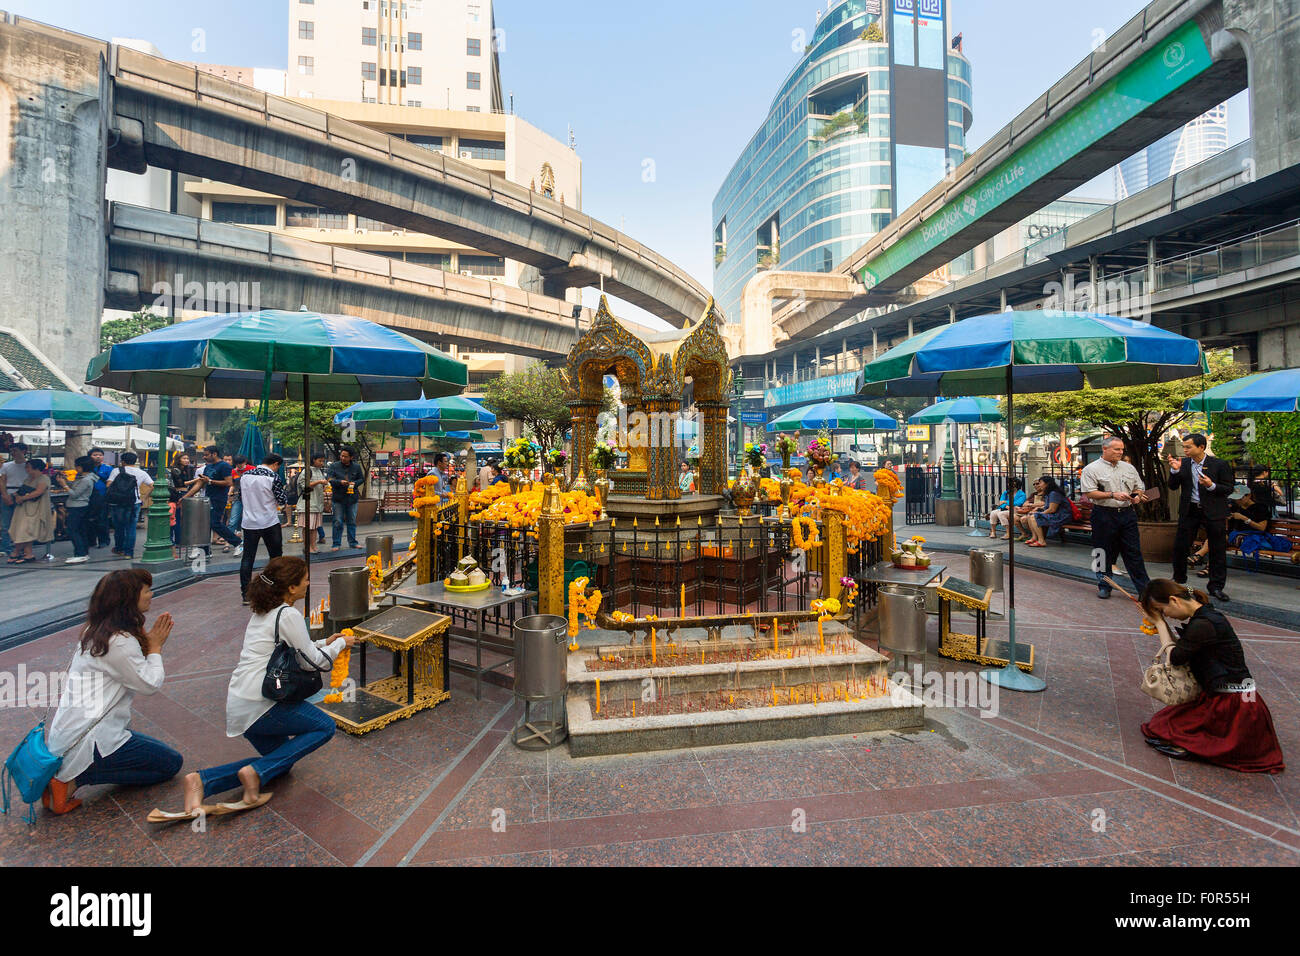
[[1200, 139], [874, 113], [431, 53]]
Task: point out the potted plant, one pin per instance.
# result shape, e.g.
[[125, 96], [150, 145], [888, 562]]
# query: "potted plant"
[[820, 454], [556, 461], [602, 457], [521, 458]]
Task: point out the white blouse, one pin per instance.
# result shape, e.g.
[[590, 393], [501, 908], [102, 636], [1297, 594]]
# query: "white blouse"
[[95, 703], [244, 701]]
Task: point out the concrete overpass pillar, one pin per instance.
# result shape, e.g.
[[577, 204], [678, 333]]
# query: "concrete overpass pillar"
[[52, 173], [1270, 35], [952, 313]]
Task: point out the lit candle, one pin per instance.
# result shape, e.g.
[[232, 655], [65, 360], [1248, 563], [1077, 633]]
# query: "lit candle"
[[776, 647], [683, 600], [598, 695], [653, 657]]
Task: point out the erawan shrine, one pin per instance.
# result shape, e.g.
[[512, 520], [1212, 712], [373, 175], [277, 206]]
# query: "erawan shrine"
[[732, 611]]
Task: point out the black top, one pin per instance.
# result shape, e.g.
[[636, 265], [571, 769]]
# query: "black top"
[[1209, 646], [1213, 500], [339, 475], [1259, 511]]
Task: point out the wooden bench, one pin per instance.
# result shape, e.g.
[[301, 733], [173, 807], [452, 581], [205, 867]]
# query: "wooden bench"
[[1288, 528], [1085, 525], [400, 501]]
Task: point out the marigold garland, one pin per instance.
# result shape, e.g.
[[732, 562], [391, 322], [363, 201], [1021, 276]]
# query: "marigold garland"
[[339, 672], [524, 509], [887, 481], [802, 542]]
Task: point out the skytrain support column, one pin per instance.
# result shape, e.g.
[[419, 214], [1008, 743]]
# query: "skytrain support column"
[[53, 119]]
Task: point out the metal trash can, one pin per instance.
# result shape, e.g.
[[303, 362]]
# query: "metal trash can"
[[541, 680], [987, 568], [195, 517], [349, 593], [382, 545], [902, 619]]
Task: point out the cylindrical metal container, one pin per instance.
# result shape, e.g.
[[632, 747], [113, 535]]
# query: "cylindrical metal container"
[[902, 619], [196, 522], [987, 568], [382, 545], [349, 593], [541, 656]]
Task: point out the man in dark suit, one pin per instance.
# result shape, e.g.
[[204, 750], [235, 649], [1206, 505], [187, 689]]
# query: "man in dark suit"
[[1206, 483]]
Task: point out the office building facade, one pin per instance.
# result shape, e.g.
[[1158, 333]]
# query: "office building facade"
[[874, 114], [1200, 139]]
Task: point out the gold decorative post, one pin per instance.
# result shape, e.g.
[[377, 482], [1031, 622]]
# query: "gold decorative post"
[[550, 552], [424, 543], [836, 553], [462, 516]]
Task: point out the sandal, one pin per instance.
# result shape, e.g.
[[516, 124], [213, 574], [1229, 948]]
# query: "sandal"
[[240, 805], [169, 816], [1203, 573], [1037, 544]]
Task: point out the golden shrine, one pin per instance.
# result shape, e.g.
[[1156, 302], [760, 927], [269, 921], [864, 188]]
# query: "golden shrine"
[[652, 373]]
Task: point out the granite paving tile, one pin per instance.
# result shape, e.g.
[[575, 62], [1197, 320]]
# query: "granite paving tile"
[[501, 800], [880, 841], [1011, 834], [296, 850], [708, 849], [595, 793], [534, 858], [776, 776], [928, 760], [1141, 820]]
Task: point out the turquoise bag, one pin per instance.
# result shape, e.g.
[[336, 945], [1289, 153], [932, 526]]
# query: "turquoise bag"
[[30, 767]]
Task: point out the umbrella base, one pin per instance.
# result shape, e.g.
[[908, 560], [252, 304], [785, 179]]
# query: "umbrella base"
[[1013, 678]]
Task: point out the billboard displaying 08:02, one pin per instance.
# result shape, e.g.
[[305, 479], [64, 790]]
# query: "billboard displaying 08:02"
[[925, 9]]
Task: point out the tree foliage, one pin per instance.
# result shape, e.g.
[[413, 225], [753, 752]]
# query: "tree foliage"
[[1139, 414], [115, 331], [535, 398], [1270, 439]]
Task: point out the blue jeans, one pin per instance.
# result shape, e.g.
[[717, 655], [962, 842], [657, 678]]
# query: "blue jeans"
[[219, 526], [345, 512], [79, 530], [236, 514], [139, 762], [283, 735], [99, 522], [124, 518], [6, 515]]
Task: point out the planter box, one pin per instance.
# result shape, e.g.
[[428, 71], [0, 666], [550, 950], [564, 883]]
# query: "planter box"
[[1158, 540]]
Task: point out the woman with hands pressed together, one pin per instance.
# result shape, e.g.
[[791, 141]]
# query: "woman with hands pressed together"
[[115, 659], [1228, 723]]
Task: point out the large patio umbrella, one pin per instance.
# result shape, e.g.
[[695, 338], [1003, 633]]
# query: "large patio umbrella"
[[960, 411], [410, 417], [1019, 352], [834, 416], [1275, 391], [277, 354], [53, 408]]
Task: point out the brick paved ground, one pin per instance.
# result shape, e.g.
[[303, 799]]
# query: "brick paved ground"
[[1022, 788]]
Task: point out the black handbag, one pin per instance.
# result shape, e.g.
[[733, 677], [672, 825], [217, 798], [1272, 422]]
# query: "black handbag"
[[288, 680]]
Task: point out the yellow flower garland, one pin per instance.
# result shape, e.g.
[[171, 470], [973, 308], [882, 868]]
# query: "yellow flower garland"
[[800, 541], [339, 672]]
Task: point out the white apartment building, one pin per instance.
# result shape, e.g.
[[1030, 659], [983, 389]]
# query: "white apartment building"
[[425, 53]]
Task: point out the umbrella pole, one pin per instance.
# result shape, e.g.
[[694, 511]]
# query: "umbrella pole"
[[1011, 677], [969, 492], [308, 538]]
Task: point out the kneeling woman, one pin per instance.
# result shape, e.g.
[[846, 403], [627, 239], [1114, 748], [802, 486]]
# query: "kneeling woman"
[[1228, 724], [115, 660], [283, 733]]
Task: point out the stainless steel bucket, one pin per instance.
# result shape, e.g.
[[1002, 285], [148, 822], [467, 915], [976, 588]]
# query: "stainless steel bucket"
[[349, 593], [987, 568], [382, 545], [541, 656], [196, 522], [902, 619]]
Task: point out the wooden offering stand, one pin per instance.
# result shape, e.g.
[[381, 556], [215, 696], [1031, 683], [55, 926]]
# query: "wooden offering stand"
[[977, 647]]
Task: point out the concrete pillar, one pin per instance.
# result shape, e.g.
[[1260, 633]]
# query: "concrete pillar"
[[875, 343], [1002, 307], [952, 313], [53, 164], [1151, 268], [1269, 34]]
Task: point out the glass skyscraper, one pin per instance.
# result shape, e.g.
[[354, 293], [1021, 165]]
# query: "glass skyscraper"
[[1200, 139], [874, 114]]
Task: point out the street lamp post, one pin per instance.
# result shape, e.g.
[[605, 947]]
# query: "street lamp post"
[[158, 544]]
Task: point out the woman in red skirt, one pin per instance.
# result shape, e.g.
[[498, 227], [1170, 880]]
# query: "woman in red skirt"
[[1228, 724]]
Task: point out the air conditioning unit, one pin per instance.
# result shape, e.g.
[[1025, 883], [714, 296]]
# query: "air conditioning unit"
[[466, 272], [466, 154], [397, 232], [362, 232]]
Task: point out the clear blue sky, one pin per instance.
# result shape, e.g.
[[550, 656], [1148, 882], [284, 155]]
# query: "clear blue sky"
[[681, 83]]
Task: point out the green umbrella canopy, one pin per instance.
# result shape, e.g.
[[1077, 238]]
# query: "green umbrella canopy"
[[409, 416], [835, 416], [231, 355], [34, 407], [963, 411], [1273, 391]]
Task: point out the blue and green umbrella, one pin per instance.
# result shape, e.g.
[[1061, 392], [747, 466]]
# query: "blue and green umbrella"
[[963, 411], [60, 408], [1010, 353], [834, 416], [268, 354], [454, 411], [1275, 391]]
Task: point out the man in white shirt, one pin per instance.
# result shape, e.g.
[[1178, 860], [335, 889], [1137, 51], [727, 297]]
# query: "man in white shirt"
[[1114, 487], [12, 475], [262, 492], [124, 499]]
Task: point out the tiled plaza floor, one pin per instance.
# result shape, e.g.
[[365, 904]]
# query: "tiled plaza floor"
[[1058, 778]]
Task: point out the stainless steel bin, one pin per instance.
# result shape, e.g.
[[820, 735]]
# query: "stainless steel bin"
[[541, 680], [901, 618], [349, 593], [196, 522], [987, 568], [541, 656], [382, 545]]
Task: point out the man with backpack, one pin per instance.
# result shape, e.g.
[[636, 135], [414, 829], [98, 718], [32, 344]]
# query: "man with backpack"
[[99, 523], [215, 476], [1114, 486], [127, 486]]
